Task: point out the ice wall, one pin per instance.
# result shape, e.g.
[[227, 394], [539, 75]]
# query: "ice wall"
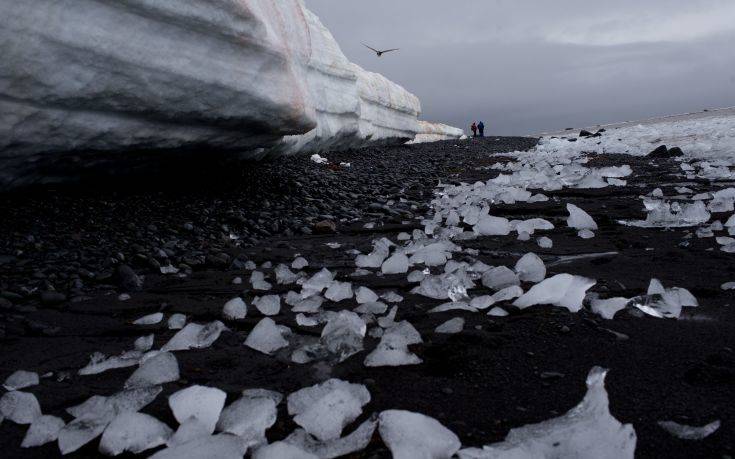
[[112, 78], [434, 132]]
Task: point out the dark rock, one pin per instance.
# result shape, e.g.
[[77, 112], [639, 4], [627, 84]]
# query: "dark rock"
[[52, 298], [325, 227], [127, 279], [661, 152], [585, 133]]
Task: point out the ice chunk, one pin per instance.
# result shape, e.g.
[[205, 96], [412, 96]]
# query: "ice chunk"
[[235, 309], [249, 417], [266, 337], [397, 264], [451, 326], [282, 450], [150, 319], [269, 305], [586, 234], [134, 432], [157, 370], [81, 431], [44, 429], [365, 295], [257, 280], [176, 321], [195, 336], [388, 320], [508, 293], [343, 334], [416, 436], [338, 291], [285, 276], [608, 308], [728, 286], [586, 431], [327, 416], [531, 268], [497, 311], [20, 380], [579, 219], [356, 441], [376, 308], [317, 283], [665, 303], [393, 347], [689, 432], [564, 290], [311, 304], [215, 447], [452, 306], [99, 363], [416, 276], [144, 343], [545, 242], [299, 263], [19, 407], [493, 226], [499, 278], [124, 401], [482, 302], [203, 403], [391, 297], [303, 399], [189, 430]]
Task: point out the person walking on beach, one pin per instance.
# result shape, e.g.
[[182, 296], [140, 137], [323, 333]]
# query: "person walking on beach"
[[481, 128], [474, 129]]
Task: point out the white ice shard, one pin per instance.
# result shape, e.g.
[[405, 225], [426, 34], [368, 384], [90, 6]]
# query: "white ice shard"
[[343, 334], [284, 275], [20, 380], [451, 326], [176, 321], [564, 290], [545, 243], [497, 311], [586, 234], [354, 442], [200, 402], [663, 302], [133, 432], [579, 219], [393, 347], [144, 343], [268, 305], [412, 435], [189, 430], [499, 278], [195, 336], [365, 295], [44, 429], [267, 337], [249, 417], [482, 302], [222, 446], [608, 308], [157, 370], [586, 431], [689, 432], [235, 309], [493, 226], [391, 297], [299, 263], [257, 280], [452, 306], [150, 319], [317, 283], [396, 264], [338, 291], [728, 286], [19, 407], [282, 450], [303, 399], [531, 268], [99, 363]]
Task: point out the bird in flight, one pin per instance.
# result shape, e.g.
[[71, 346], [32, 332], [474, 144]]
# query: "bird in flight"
[[380, 53]]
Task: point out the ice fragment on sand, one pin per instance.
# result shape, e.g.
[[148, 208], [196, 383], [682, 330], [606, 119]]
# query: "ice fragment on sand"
[[393, 347], [416, 276], [133, 432], [531, 268], [176, 321], [19, 407], [508, 293], [299, 263], [343, 334], [564, 290], [44, 429], [493, 226], [689, 432], [266, 337], [269, 305], [284, 275], [586, 234], [157, 370], [189, 430], [497, 312], [608, 308], [499, 278], [99, 362], [391, 297], [249, 417], [218, 446], [451, 326], [235, 309], [257, 280], [150, 319], [587, 430], [482, 302], [416, 436], [728, 286], [579, 219], [144, 343], [195, 336], [356, 441], [545, 242], [282, 450], [365, 295], [20, 380], [317, 283], [338, 291], [663, 302], [397, 264], [452, 306], [203, 403]]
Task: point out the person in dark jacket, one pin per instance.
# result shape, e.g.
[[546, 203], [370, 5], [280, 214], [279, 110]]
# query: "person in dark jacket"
[[474, 129], [481, 128]]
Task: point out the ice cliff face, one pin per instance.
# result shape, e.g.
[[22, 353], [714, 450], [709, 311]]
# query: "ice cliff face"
[[251, 77], [433, 132]]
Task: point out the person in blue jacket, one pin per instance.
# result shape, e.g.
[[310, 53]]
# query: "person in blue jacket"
[[481, 128]]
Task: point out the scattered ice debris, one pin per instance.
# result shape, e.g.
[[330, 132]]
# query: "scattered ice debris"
[[497, 311], [416, 436], [235, 309], [169, 269], [393, 347], [44, 429], [319, 159], [396, 264], [159, 369], [356, 441], [282, 450], [493, 226], [579, 219], [530, 268], [222, 446], [133, 432], [451, 326], [343, 334], [150, 319], [267, 337], [544, 242], [499, 278], [452, 306], [391, 297], [564, 290], [269, 305], [284, 276], [20, 380], [728, 286], [257, 280], [249, 417], [365, 295], [195, 336], [200, 402], [663, 214], [685, 432], [587, 430], [317, 283], [19, 407], [144, 343], [338, 291], [176, 321], [663, 302], [99, 363], [608, 308]]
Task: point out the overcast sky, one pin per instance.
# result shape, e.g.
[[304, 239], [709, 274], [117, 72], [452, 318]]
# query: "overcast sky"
[[527, 66]]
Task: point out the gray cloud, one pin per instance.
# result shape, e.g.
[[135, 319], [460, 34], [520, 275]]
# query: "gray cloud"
[[531, 66]]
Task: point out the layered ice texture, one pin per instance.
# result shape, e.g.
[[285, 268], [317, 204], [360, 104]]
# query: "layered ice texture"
[[246, 77]]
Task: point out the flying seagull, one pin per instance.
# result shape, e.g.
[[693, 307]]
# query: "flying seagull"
[[380, 53]]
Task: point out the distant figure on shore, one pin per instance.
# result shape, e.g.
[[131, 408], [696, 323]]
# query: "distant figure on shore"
[[474, 129], [481, 128]]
